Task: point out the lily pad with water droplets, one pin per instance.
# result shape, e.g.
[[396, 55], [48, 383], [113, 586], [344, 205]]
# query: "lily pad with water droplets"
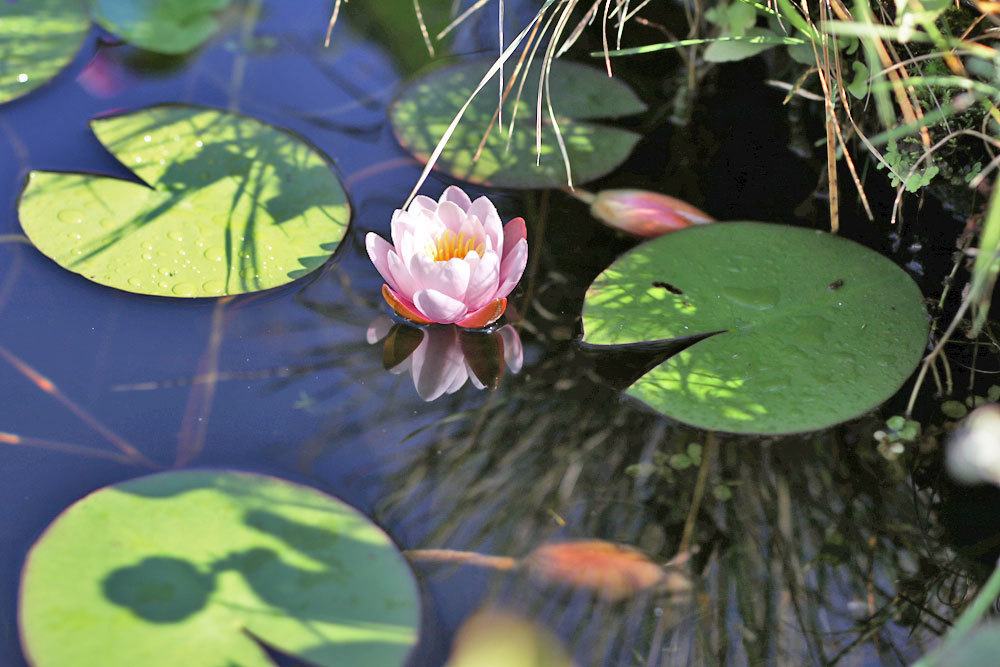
[[38, 38], [232, 205], [579, 95], [171, 27], [203, 568], [793, 329]]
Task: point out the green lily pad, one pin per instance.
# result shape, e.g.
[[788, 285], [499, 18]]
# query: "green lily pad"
[[199, 568], [579, 94], [171, 27], [812, 329], [38, 38], [232, 206]]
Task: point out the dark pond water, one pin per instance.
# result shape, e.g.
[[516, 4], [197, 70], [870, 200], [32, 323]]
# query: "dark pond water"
[[824, 553]]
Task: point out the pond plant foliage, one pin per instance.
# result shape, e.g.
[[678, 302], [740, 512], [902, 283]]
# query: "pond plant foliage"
[[225, 205], [39, 38], [206, 568], [512, 150], [790, 329]]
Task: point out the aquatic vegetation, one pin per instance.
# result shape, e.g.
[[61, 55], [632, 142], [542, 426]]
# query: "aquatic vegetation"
[[442, 359], [623, 536], [38, 38], [451, 261], [145, 566], [789, 329], [487, 148], [232, 205], [494, 637], [641, 212], [171, 27], [615, 572]]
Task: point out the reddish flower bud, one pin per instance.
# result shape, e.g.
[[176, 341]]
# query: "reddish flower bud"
[[645, 213]]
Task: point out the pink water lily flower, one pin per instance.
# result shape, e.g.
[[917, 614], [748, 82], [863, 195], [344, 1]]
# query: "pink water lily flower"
[[451, 261]]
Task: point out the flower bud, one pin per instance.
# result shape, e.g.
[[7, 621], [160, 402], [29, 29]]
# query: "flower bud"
[[645, 213]]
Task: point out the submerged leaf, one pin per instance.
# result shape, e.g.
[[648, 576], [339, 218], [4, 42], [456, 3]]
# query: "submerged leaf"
[[812, 329], [195, 568], [232, 205], [579, 94], [38, 38], [171, 27]]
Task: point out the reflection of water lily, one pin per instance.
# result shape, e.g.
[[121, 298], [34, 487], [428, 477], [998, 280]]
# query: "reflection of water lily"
[[442, 359], [451, 261], [643, 213]]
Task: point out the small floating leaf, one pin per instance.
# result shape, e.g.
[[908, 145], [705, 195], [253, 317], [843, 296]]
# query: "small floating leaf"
[[232, 206], [814, 329], [199, 568], [579, 94], [612, 571], [38, 38], [171, 27]]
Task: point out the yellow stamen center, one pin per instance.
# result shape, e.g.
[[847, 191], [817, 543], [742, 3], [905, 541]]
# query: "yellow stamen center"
[[451, 245]]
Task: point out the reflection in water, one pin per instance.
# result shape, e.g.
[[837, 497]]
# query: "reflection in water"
[[442, 359]]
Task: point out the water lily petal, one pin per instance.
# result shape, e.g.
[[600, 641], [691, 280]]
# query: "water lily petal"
[[457, 196], [451, 278], [451, 216], [512, 267], [484, 210], [406, 285], [485, 316], [439, 307], [402, 307], [484, 279], [513, 232], [423, 203], [378, 251]]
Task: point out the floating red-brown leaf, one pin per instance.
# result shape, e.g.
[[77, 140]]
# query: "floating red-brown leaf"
[[613, 571]]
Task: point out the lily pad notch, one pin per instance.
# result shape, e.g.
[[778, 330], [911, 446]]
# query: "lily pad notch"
[[134, 573], [226, 204], [787, 329]]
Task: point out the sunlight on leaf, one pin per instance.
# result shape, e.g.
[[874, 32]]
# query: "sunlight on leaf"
[[38, 38], [135, 573], [814, 329], [164, 26], [233, 206], [580, 94]]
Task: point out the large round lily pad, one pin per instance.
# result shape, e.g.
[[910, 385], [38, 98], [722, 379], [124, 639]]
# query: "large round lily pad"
[[38, 38], [579, 94], [165, 26], [232, 205], [812, 329], [200, 568]]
